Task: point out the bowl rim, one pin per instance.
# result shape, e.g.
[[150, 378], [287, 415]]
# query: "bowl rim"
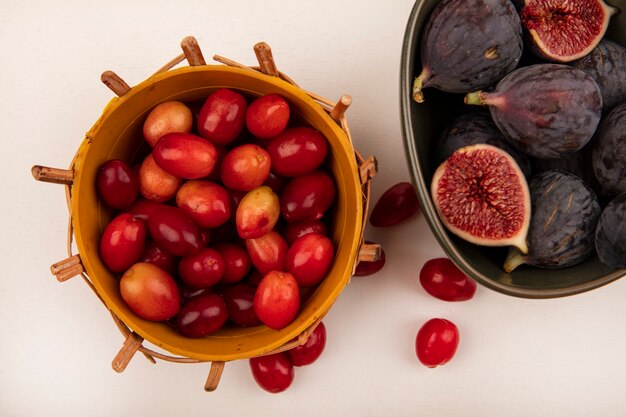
[[410, 48], [356, 209]]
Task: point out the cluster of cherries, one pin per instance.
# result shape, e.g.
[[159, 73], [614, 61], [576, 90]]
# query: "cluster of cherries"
[[225, 220]]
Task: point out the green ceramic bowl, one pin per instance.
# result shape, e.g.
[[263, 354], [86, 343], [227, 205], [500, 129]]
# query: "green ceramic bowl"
[[422, 124]]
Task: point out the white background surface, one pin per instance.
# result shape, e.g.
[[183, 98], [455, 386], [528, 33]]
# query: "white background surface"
[[517, 357]]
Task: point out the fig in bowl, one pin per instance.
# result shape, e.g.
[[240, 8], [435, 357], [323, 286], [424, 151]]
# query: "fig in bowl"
[[532, 110]]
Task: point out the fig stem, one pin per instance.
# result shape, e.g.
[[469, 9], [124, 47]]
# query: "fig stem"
[[513, 260], [475, 98], [418, 84]]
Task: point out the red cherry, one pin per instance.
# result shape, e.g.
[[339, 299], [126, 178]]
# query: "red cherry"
[[277, 299], [436, 342], [222, 116], [442, 279], [122, 242], [312, 349], [175, 231], [236, 261], [150, 292], [297, 151], [307, 197], [309, 259], [117, 184], [201, 270], [267, 116], [185, 155], [208, 204], [268, 252], [201, 316], [245, 167], [239, 299], [395, 205], [274, 373]]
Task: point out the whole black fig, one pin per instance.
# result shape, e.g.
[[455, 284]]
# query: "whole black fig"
[[606, 64], [468, 45], [611, 233], [565, 212], [609, 152], [544, 110]]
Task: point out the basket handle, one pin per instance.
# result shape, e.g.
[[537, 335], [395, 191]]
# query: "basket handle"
[[191, 52]]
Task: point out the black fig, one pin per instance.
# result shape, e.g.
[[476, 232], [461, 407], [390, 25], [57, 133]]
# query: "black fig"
[[471, 129], [611, 233], [468, 45], [565, 212], [482, 196], [544, 110], [576, 163], [562, 30], [606, 64], [609, 152]]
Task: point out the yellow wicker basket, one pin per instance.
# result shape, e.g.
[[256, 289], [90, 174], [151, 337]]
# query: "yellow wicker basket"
[[117, 134]]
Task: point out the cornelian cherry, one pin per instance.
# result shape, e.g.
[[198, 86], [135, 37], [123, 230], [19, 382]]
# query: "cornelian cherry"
[[309, 258], [395, 205], [201, 270], [175, 231], [436, 342], [442, 279], [277, 299], [222, 116], [297, 151], [122, 242], [201, 316], [267, 116], [245, 167], [117, 184], [312, 349], [274, 373], [236, 262], [150, 292], [239, 299], [307, 197]]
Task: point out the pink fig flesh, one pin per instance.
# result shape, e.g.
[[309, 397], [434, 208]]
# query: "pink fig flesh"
[[482, 196], [563, 31]]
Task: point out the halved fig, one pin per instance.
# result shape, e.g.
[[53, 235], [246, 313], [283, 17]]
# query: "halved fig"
[[564, 30], [481, 195]]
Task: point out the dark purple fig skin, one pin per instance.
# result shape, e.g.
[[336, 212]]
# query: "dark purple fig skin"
[[611, 233], [470, 44], [606, 64], [576, 163], [544, 110], [609, 152], [565, 212], [470, 129]]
